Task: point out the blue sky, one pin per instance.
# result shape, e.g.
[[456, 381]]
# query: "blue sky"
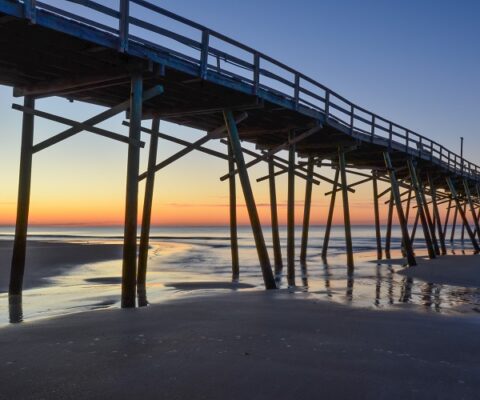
[[415, 62]]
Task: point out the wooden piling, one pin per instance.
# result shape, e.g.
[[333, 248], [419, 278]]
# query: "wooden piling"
[[388, 234], [346, 208], [263, 258], [378, 233], [430, 223], [421, 211], [307, 208], [277, 250], [436, 214], [454, 224], [471, 206], [328, 226], [23, 202], [233, 216], [401, 216], [291, 213], [447, 218], [455, 198], [129, 267], [147, 209]]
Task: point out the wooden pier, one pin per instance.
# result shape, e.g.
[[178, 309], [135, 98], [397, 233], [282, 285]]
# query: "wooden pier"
[[234, 93]]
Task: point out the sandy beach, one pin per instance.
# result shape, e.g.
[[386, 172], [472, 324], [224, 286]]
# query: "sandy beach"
[[259, 345], [212, 343], [47, 259]]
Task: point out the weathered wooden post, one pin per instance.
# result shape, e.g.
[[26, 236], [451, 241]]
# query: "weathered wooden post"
[[436, 214], [376, 210], [431, 225], [291, 213], [331, 210], [129, 268], [277, 250], [471, 206], [307, 208], [421, 211], [455, 198], [401, 216], [454, 224], [388, 234], [264, 260], [233, 216], [23, 202], [346, 208], [147, 210]]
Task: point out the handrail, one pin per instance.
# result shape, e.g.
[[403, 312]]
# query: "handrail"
[[334, 107]]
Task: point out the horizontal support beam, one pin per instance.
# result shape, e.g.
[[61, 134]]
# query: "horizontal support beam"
[[79, 125], [202, 111], [61, 87]]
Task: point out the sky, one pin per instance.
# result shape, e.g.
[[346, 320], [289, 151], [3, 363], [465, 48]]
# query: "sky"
[[414, 62]]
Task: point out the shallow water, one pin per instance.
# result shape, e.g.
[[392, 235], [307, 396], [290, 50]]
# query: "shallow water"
[[196, 261]]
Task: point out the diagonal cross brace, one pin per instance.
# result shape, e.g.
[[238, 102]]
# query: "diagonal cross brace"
[[153, 92], [283, 146], [193, 146], [78, 125], [276, 164]]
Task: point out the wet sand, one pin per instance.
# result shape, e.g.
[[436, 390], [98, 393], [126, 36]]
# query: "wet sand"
[[48, 259], [457, 270], [250, 345]]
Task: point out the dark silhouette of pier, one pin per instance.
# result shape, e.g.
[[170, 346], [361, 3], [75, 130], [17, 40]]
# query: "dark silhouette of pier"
[[210, 82]]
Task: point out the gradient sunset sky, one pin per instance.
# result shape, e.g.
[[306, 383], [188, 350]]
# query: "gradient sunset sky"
[[415, 62]]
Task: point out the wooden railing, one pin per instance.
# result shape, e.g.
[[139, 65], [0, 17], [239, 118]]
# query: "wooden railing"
[[138, 21]]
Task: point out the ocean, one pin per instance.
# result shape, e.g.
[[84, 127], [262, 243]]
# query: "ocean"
[[193, 261]]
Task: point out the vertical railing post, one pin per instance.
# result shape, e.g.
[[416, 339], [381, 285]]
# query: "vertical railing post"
[[204, 54], [123, 25], [147, 212], [256, 73], [30, 10], [372, 131], [390, 136], [297, 90], [129, 267], [263, 258], [352, 118], [327, 104], [23, 202]]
